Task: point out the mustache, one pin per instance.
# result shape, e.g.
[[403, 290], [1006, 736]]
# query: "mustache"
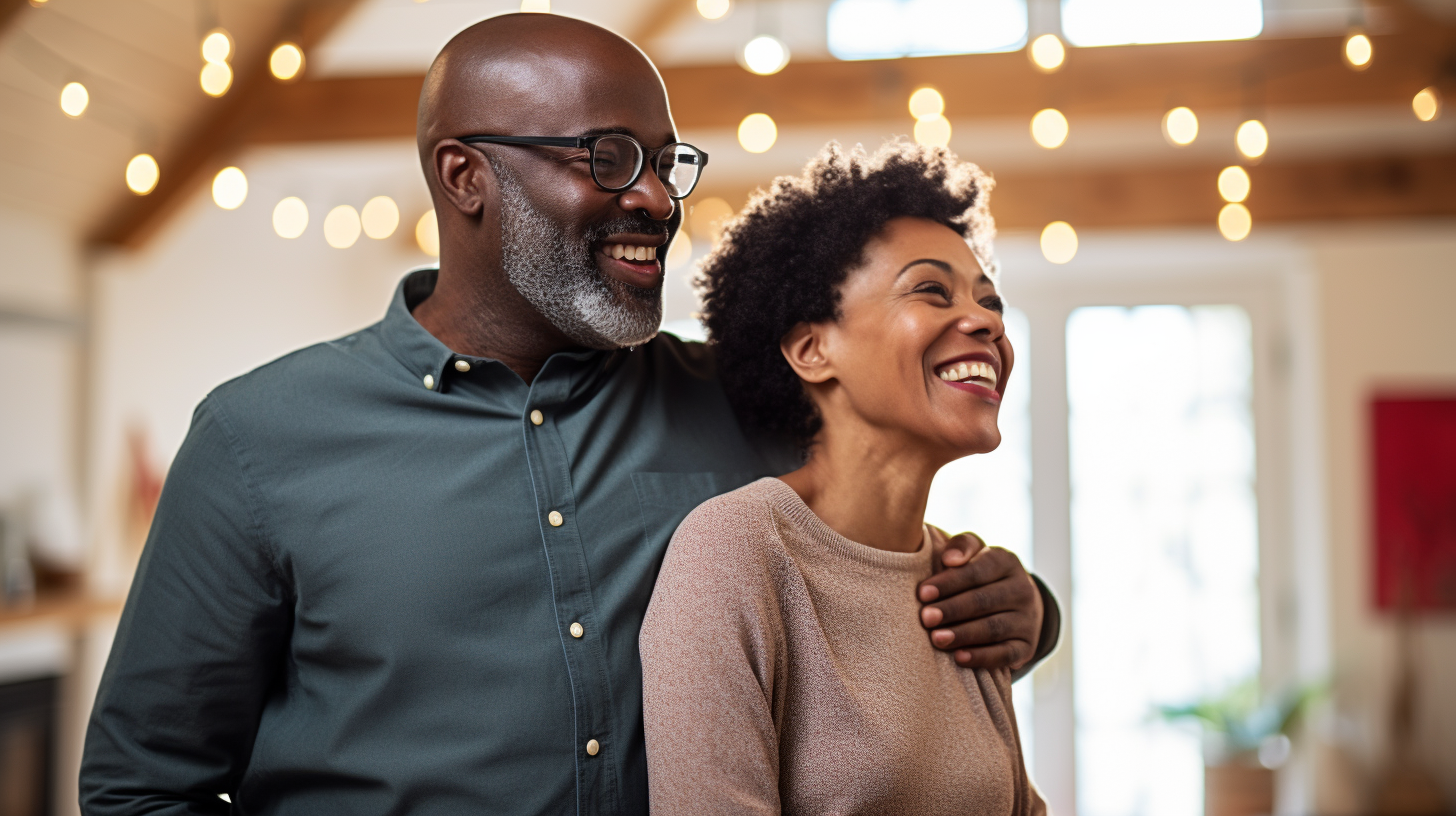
[[640, 225]]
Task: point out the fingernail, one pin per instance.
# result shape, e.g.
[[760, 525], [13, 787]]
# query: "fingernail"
[[942, 637], [930, 616], [929, 592], [962, 655]]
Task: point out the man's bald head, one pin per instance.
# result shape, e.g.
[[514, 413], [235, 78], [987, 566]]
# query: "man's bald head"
[[515, 73]]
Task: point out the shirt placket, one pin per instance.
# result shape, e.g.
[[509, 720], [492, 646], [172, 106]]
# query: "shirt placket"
[[595, 745]]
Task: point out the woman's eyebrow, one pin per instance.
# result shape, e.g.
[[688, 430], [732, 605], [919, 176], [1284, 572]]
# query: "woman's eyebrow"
[[941, 265]]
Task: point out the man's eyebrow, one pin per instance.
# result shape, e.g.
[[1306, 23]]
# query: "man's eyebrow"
[[941, 265]]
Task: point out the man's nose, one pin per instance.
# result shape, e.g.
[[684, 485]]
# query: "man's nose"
[[649, 195]]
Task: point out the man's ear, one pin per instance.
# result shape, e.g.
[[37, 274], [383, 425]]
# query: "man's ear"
[[805, 348], [464, 176]]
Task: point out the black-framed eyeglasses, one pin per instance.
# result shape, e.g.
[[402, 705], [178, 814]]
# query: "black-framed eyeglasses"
[[617, 159]]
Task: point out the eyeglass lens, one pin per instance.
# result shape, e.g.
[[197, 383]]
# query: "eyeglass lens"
[[616, 161]]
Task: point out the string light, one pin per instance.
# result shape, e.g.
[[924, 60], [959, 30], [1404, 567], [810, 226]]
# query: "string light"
[[216, 78], [713, 9], [217, 46], [1059, 242], [380, 217], [1180, 126], [286, 61], [229, 188], [341, 226], [74, 99], [427, 234], [708, 217], [1427, 104], [1047, 52], [932, 131], [764, 55], [142, 174], [1358, 50], [1050, 129], [1234, 222], [290, 217], [1233, 184], [1252, 139], [926, 103], [757, 132]]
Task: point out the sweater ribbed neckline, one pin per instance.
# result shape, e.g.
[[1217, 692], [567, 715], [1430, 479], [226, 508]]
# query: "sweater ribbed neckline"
[[788, 502]]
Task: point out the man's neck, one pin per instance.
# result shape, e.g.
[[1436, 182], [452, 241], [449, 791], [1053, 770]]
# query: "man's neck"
[[484, 316]]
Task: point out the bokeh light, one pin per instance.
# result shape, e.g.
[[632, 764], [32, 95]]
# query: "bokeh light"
[[1252, 139], [217, 46], [765, 55], [1049, 128], [142, 174], [1048, 53], [286, 61], [341, 226], [681, 251], [757, 132], [1233, 184], [229, 188], [707, 217], [427, 234], [1427, 104], [538, 6], [380, 217], [1234, 222], [74, 99], [713, 9], [1059, 242], [926, 103], [1180, 126], [216, 78], [932, 131], [290, 217], [1358, 51]]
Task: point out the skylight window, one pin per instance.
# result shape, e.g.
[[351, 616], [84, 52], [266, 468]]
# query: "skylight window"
[[1128, 22], [884, 29]]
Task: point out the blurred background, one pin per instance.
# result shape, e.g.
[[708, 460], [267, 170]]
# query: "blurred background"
[[1227, 235]]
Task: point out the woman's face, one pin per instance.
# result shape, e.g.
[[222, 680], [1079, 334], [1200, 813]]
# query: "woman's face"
[[920, 348]]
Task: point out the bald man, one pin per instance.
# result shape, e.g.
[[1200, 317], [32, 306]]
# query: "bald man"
[[404, 571]]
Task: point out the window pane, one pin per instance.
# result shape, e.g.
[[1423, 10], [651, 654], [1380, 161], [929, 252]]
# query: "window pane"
[[990, 494], [1164, 542], [882, 29], [1123, 22]]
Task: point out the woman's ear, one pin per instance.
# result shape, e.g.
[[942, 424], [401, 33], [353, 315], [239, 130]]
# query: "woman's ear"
[[804, 348]]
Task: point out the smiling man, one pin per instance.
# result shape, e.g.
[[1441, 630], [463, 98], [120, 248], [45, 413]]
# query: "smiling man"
[[404, 571]]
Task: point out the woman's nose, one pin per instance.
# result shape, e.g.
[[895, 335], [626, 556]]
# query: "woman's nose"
[[978, 319]]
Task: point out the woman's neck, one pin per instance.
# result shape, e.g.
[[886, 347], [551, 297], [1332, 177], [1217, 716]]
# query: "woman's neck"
[[867, 488]]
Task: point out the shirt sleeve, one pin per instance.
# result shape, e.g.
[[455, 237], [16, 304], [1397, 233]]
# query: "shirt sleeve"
[[200, 641], [709, 646]]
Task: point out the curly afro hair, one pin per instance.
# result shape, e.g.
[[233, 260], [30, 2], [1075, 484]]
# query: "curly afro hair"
[[782, 260]]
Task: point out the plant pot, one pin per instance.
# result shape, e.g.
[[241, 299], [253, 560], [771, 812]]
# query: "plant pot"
[[1236, 789]]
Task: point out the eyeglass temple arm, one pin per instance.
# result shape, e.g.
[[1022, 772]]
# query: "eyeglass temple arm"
[[542, 141]]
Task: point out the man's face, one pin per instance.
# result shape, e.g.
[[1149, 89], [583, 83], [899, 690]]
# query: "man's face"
[[589, 260]]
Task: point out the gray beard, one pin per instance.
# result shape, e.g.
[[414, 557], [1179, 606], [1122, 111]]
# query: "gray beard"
[[562, 281]]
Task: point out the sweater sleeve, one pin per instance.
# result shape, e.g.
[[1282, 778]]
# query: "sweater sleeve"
[[711, 645]]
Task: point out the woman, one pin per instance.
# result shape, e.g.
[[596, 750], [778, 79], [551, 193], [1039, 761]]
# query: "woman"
[[784, 669]]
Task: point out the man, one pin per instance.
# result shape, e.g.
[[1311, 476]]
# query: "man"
[[404, 571]]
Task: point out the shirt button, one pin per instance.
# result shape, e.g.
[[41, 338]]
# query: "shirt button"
[[462, 366], [577, 630], [555, 518], [537, 417], [592, 747], [430, 381]]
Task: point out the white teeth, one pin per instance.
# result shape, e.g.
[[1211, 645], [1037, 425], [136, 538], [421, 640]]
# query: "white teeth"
[[652, 253], [967, 371], [631, 252], [615, 250]]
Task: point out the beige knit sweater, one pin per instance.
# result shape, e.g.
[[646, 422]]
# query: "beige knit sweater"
[[785, 671]]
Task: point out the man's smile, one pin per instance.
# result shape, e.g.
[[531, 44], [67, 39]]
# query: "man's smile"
[[632, 259]]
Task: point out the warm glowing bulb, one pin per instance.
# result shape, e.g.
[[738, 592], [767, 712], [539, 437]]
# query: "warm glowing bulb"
[[216, 78], [1180, 126], [1048, 53], [1059, 242], [765, 55], [757, 132], [713, 9], [1252, 139], [427, 234], [538, 6], [74, 99], [932, 131], [217, 46], [142, 174], [380, 217], [926, 103], [1233, 184], [286, 61], [1049, 128], [1427, 104], [290, 217], [708, 217], [341, 226], [681, 251], [1235, 222], [229, 188], [1358, 51]]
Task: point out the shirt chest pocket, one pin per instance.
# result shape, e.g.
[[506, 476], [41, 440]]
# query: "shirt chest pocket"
[[665, 499]]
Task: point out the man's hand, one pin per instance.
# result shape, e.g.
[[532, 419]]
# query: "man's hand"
[[982, 603]]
